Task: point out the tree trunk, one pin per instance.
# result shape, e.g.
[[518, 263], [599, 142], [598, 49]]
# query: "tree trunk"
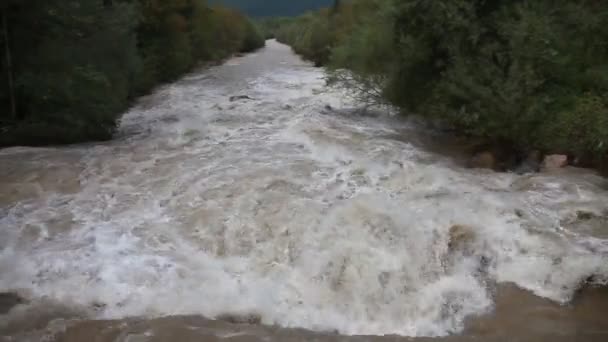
[[9, 67]]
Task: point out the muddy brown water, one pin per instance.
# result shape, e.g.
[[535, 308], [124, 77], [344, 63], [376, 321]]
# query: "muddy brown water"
[[518, 316], [250, 202]]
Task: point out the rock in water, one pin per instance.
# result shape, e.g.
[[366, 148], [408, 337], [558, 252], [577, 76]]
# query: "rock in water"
[[461, 238], [240, 97], [554, 162], [8, 301], [483, 160]]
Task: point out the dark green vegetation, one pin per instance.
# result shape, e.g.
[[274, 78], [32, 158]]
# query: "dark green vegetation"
[[69, 68], [532, 74], [268, 8]]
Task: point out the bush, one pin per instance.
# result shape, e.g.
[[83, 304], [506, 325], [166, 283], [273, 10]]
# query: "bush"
[[518, 71], [77, 65], [531, 74], [253, 38]]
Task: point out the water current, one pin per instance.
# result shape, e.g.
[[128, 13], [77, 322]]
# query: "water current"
[[253, 193]]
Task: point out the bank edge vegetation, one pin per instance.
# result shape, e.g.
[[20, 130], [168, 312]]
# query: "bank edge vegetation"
[[70, 68], [529, 73]]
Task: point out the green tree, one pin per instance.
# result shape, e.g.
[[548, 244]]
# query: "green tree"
[[530, 74], [76, 65], [71, 76]]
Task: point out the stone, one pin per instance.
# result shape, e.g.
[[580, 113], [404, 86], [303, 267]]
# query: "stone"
[[461, 237], [240, 97], [554, 162], [483, 160]]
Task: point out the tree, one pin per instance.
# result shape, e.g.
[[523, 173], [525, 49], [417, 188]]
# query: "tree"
[[76, 65], [530, 74], [9, 66]]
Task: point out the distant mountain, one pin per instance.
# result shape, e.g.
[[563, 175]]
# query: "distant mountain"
[[273, 8]]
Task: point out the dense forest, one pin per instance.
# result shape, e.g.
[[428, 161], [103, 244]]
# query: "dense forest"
[[531, 74], [69, 68], [274, 8]]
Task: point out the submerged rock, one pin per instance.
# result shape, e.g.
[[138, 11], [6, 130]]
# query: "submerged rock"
[[240, 97]]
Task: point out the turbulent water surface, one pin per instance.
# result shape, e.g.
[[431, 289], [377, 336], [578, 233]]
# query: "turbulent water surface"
[[287, 207]]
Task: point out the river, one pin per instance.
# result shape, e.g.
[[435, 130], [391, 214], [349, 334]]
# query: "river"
[[253, 193]]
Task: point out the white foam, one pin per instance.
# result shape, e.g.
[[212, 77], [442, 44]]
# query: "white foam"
[[306, 218]]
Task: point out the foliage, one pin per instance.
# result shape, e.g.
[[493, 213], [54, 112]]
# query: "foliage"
[[527, 72], [270, 26], [77, 64], [533, 74], [274, 8]]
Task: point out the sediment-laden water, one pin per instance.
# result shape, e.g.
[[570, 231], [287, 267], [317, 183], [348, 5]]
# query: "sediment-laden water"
[[253, 193]]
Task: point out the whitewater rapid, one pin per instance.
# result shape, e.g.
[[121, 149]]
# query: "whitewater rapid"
[[292, 205]]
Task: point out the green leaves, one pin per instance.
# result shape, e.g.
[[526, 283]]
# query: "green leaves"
[[78, 64], [517, 71], [530, 73]]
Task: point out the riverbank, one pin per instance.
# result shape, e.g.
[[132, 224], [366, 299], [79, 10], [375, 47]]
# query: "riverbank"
[[252, 192], [46, 134], [521, 78], [69, 82]]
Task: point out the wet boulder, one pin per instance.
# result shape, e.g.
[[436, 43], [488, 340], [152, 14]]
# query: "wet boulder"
[[483, 160], [554, 162]]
